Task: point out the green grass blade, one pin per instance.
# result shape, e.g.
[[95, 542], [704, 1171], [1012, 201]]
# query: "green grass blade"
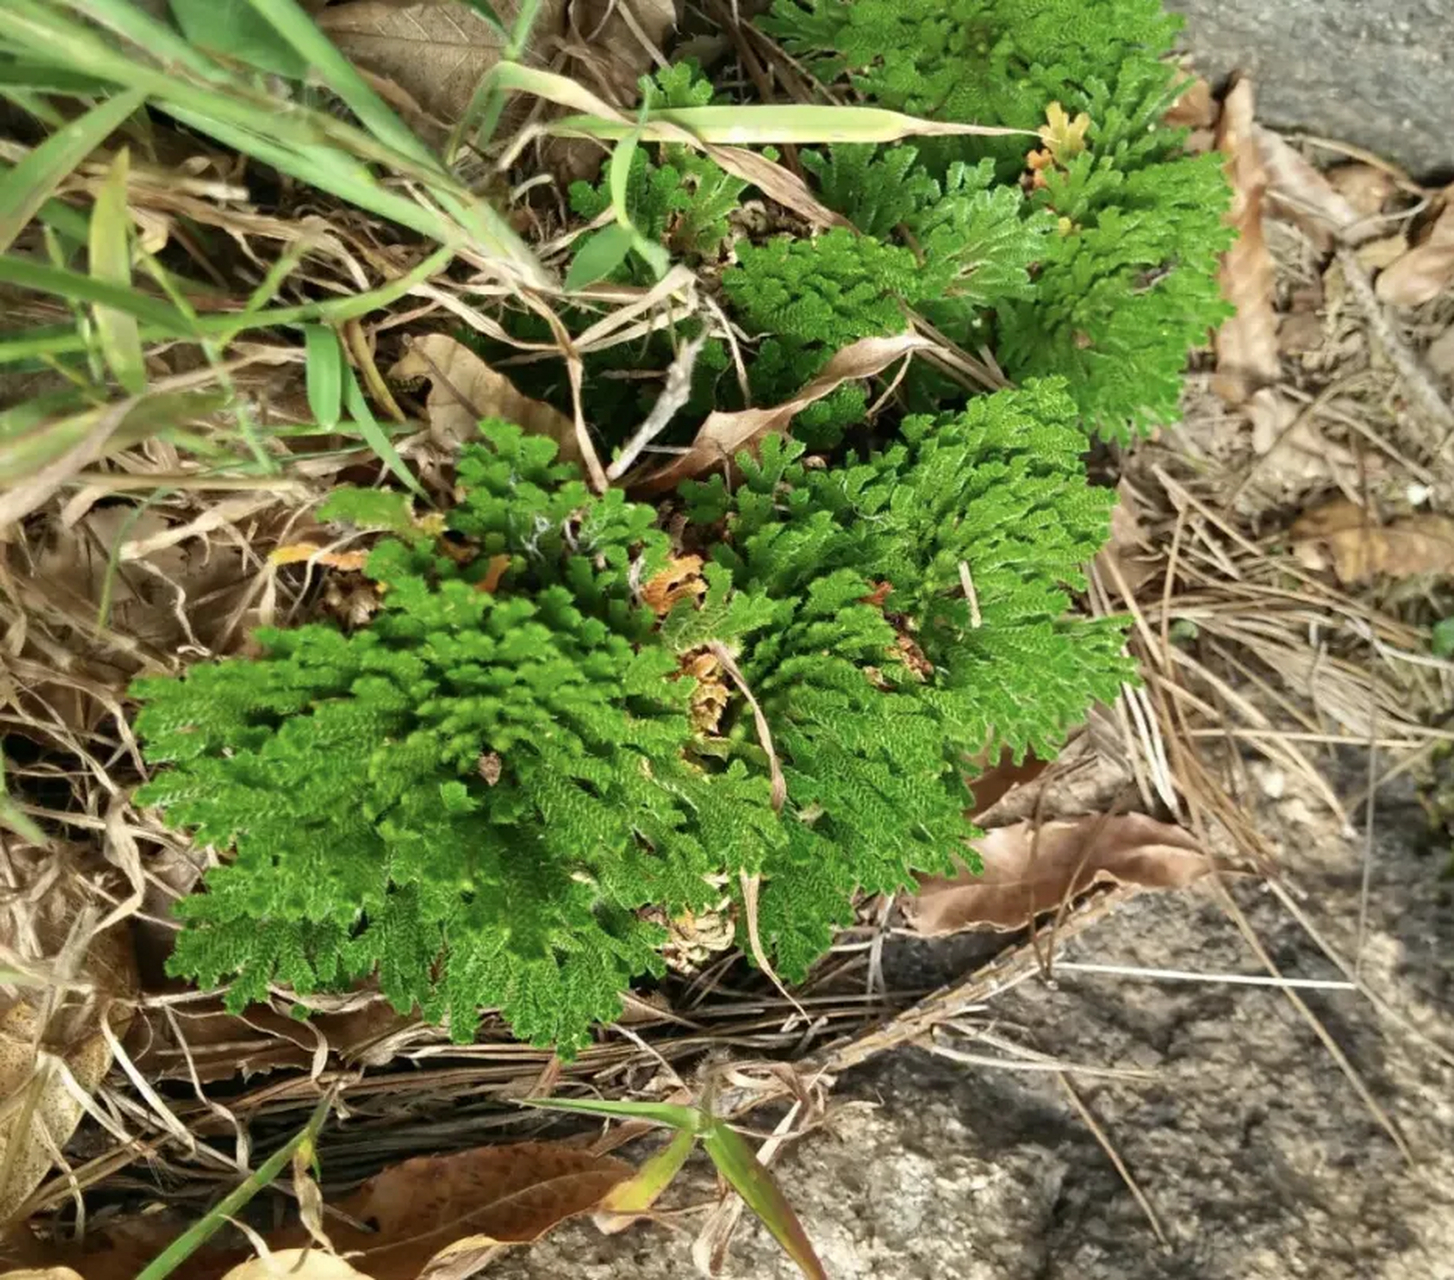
[[642, 1190], [323, 374], [687, 1119], [294, 25], [26, 188], [161, 321], [110, 245], [185, 1245], [599, 254], [619, 174], [76, 287], [374, 435], [736, 1162], [34, 442], [759, 125], [149, 34], [234, 28]]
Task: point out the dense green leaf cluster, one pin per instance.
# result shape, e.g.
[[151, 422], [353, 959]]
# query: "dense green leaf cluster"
[[1127, 282], [477, 794]]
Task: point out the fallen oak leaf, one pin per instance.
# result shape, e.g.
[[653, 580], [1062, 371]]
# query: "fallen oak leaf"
[[1246, 344], [723, 435], [1026, 873], [464, 389], [442, 1216], [436, 51], [53, 1048], [298, 552], [1343, 536], [1422, 273]]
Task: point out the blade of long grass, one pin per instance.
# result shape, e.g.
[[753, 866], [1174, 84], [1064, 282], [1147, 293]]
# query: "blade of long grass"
[[185, 1245], [493, 234], [325, 169], [237, 108], [149, 34], [375, 436], [76, 287], [728, 126], [26, 451], [52, 38], [642, 1190], [26, 188], [687, 1119], [292, 22], [110, 251], [737, 1162], [762, 125], [489, 98], [162, 321], [323, 374]]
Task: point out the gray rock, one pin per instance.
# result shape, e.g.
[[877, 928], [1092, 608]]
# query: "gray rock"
[[1255, 1150], [1378, 73]]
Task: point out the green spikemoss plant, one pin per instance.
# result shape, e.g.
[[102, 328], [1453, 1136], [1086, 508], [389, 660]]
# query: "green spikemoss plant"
[[486, 796]]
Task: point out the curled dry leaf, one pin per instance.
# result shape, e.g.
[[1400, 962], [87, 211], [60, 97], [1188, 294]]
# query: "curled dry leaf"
[[1293, 455], [1343, 536], [464, 389], [1440, 355], [435, 51], [295, 1264], [1247, 356], [1127, 546], [45, 1273], [1427, 269], [1024, 876], [1365, 186], [1303, 193], [1196, 108], [53, 1030], [680, 580], [723, 435]]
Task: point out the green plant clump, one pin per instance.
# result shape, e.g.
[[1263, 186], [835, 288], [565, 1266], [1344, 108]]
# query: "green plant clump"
[[477, 794], [564, 726], [1127, 280]]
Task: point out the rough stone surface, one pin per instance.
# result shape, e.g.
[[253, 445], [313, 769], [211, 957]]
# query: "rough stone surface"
[[1254, 1149], [1379, 73]]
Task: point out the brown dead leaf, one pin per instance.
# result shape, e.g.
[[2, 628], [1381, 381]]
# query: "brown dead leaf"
[[45, 1273], [1024, 876], [625, 37], [991, 785], [1366, 187], [723, 435], [48, 1033], [435, 51], [464, 389], [1293, 454], [438, 1216], [1127, 545], [298, 552], [1440, 355], [1427, 269], [1375, 255], [680, 580], [1343, 536], [295, 1264], [1304, 194], [1195, 109], [1247, 343]]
